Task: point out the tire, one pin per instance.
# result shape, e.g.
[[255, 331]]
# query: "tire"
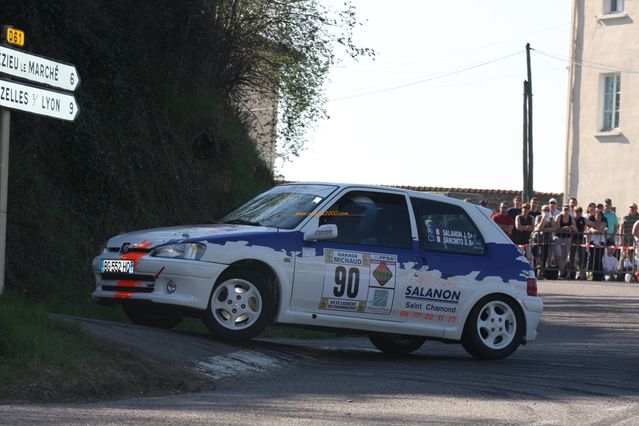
[[241, 305], [494, 328], [396, 344], [152, 315]]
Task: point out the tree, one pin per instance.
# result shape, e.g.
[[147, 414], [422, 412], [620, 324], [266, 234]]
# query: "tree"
[[283, 49]]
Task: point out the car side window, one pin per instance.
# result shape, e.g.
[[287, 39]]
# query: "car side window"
[[447, 228], [370, 218]]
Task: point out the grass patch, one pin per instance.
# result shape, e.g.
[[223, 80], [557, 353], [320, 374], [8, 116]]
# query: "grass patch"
[[44, 359]]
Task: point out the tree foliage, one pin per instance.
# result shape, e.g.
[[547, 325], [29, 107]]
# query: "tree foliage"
[[159, 140], [284, 49]]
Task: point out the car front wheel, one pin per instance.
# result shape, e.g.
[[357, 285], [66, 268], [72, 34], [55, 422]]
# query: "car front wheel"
[[396, 345], [241, 305], [151, 315], [494, 328]]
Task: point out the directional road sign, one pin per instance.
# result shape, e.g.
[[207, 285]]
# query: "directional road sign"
[[32, 99], [38, 69]]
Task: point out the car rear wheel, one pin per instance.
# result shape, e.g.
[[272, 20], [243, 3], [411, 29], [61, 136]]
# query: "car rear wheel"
[[152, 315], [494, 328], [241, 305], [395, 344]]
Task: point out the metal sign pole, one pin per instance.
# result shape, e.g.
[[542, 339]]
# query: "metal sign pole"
[[5, 120]]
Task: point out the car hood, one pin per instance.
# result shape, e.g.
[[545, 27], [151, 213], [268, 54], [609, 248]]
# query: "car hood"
[[149, 238]]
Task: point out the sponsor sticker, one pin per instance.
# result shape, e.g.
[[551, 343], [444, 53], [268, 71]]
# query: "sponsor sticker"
[[358, 282]]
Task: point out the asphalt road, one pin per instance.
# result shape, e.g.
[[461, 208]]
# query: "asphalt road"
[[582, 369]]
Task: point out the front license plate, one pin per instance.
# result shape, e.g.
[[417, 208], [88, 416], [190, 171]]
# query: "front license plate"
[[120, 266]]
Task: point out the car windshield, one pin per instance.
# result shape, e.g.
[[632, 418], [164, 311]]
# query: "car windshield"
[[281, 207]]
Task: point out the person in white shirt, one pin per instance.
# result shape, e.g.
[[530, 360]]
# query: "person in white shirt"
[[610, 265], [554, 211]]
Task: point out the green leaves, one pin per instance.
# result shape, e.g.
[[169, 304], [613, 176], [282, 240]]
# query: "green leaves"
[[287, 48]]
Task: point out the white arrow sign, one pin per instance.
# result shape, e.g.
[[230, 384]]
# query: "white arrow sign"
[[38, 69], [38, 101]]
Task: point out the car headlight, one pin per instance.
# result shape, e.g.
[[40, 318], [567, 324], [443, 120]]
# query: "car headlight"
[[192, 251]]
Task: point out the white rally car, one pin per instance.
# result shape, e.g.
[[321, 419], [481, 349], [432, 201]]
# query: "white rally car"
[[399, 265]]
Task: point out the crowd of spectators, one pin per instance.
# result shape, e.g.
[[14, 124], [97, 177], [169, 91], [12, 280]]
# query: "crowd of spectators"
[[568, 243]]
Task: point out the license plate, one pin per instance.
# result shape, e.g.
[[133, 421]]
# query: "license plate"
[[120, 266]]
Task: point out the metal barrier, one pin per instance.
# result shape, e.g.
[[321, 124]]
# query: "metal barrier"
[[564, 255]]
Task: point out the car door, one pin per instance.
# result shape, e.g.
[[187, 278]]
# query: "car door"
[[358, 273], [455, 254]]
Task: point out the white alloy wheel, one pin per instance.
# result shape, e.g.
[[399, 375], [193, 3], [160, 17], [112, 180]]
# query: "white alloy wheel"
[[494, 328], [236, 304], [496, 324]]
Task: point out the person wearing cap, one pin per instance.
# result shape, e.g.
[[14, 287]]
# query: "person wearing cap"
[[554, 211], [627, 224]]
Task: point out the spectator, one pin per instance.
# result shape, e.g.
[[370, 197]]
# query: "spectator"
[[554, 211], [577, 252], [534, 207], [524, 225], [572, 202], [484, 204], [545, 225], [612, 220], [629, 261], [629, 265], [592, 208], [597, 230], [565, 230], [513, 212], [635, 232], [502, 218], [600, 208], [610, 265], [628, 223]]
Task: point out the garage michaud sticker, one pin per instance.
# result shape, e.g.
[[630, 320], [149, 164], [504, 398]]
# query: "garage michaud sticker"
[[358, 282]]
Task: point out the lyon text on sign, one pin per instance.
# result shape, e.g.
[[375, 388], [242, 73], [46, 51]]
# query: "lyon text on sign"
[[38, 101], [38, 69]]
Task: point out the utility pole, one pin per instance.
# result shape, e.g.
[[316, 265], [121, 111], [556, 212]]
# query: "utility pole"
[[528, 130]]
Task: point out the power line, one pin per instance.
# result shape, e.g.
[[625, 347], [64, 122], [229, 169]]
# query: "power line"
[[585, 63], [435, 77]]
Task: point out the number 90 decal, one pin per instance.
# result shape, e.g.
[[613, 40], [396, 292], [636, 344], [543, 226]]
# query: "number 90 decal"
[[341, 284], [358, 282]]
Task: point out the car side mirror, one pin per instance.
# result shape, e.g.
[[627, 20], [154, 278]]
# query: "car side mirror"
[[323, 232]]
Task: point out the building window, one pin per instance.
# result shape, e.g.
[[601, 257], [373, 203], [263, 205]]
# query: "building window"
[[612, 100], [615, 6]]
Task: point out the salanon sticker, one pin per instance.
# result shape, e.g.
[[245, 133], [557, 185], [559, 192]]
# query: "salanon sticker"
[[450, 237], [358, 282]]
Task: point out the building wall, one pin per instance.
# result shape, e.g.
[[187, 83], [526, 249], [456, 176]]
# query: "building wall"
[[600, 164], [259, 112]]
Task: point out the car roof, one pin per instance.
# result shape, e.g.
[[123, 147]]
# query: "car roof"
[[409, 192]]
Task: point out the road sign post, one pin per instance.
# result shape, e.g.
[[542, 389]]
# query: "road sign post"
[[28, 98], [5, 121]]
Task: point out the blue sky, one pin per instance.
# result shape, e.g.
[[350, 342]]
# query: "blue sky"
[[441, 105]]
